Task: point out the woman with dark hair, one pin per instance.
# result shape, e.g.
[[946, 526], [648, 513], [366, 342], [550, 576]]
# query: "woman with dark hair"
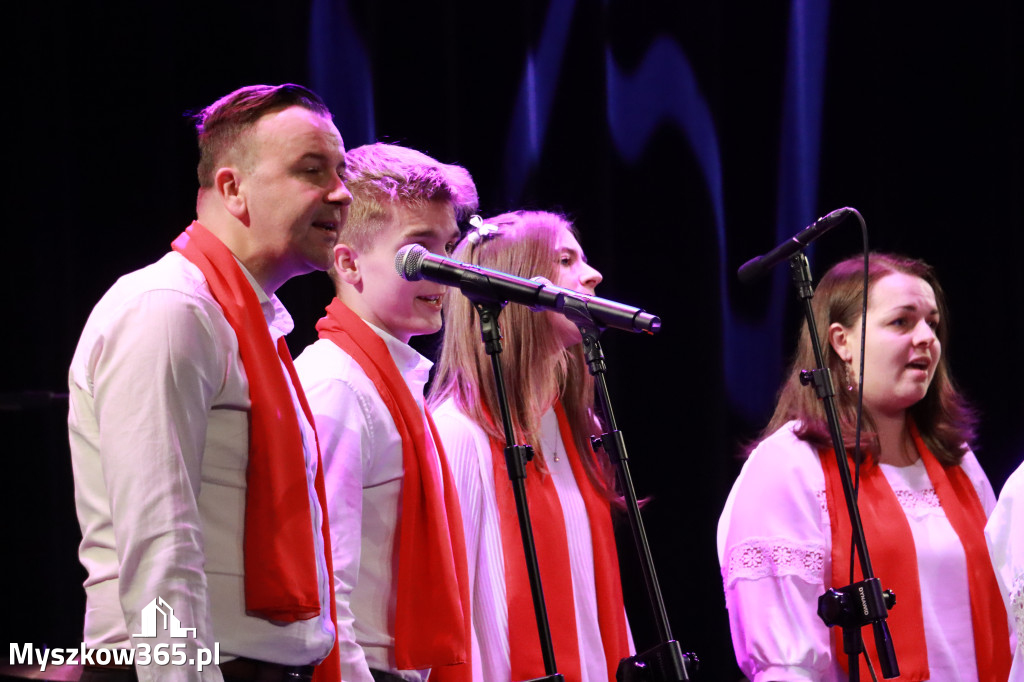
[[784, 536], [569, 488]]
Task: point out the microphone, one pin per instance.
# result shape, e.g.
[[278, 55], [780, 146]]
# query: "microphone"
[[413, 262], [755, 267], [604, 312]]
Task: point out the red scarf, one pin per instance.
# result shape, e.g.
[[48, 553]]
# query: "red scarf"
[[890, 542], [556, 578], [432, 619], [280, 570]]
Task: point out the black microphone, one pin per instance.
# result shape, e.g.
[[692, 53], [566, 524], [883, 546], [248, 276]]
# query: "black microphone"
[[602, 311], [755, 267], [413, 262]]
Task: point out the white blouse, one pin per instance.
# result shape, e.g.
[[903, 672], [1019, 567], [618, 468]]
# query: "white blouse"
[[774, 547], [469, 454], [1005, 535]]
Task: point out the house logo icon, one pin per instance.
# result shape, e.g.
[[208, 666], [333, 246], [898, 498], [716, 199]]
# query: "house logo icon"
[[159, 614]]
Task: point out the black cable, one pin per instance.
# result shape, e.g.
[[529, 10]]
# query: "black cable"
[[860, 378]]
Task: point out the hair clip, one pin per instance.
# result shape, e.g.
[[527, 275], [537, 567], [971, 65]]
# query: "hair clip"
[[481, 230]]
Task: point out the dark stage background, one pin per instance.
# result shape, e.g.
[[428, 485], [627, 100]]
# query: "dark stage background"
[[683, 137]]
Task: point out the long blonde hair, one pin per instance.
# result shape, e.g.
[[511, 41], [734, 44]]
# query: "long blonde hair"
[[534, 363]]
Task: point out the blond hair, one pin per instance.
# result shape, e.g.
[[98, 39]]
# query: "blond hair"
[[381, 175], [534, 363]]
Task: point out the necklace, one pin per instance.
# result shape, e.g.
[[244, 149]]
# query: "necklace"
[[552, 446], [907, 454], [552, 449], [910, 454]]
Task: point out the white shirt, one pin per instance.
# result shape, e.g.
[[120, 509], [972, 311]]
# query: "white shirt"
[[775, 549], [363, 468], [159, 424], [1005, 535], [469, 454]]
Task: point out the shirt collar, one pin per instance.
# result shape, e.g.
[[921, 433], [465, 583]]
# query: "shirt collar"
[[410, 363], [273, 310]]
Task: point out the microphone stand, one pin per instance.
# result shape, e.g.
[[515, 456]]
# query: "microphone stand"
[[862, 603], [665, 662], [516, 457]]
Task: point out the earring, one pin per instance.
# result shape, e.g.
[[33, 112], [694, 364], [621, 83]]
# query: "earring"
[[846, 377]]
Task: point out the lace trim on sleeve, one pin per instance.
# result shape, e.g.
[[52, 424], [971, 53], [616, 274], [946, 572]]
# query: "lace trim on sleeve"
[[758, 558], [1017, 607]]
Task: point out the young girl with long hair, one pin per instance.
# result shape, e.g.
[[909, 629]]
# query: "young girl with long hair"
[[569, 487]]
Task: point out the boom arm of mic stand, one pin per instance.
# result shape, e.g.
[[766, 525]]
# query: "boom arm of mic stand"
[[665, 662], [856, 605]]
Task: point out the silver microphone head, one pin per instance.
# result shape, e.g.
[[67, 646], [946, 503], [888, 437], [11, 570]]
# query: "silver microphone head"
[[408, 261]]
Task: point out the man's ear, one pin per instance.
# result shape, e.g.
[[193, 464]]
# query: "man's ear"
[[227, 182], [346, 265], [842, 341]]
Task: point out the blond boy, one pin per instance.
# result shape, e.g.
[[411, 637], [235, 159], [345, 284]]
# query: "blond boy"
[[399, 555]]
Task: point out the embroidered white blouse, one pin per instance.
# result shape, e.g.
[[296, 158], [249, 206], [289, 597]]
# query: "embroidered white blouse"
[[774, 547]]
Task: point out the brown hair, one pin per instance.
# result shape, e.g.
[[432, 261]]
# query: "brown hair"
[[534, 363], [221, 125], [943, 417], [379, 175]]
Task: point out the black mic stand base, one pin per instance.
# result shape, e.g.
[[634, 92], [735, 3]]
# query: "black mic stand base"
[[851, 608], [664, 662]]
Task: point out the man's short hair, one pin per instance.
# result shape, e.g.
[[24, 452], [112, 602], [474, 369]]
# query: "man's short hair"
[[381, 175], [220, 125]]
